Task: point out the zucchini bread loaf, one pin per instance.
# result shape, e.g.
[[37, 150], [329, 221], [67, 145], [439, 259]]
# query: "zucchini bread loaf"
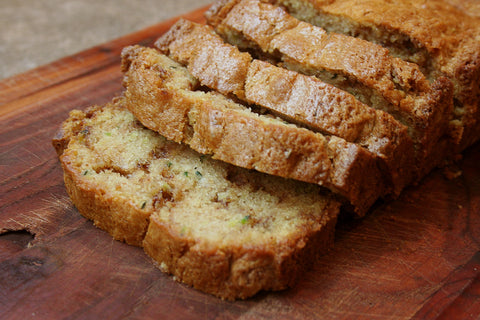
[[225, 230], [235, 144]]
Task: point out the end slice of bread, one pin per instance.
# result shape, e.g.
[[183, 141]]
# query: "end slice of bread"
[[225, 230]]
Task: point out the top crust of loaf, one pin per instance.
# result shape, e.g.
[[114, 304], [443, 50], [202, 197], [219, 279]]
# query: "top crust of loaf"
[[165, 197]]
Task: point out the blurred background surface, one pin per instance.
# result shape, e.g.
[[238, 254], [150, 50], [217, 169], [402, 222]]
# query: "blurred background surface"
[[36, 32]]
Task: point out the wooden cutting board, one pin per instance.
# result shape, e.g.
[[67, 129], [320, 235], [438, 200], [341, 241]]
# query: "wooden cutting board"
[[416, 257]]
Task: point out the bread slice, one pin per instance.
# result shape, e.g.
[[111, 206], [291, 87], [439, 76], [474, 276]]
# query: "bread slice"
[[224, 230], [162, 95], [295, 97], [360, 67], [442, 36]]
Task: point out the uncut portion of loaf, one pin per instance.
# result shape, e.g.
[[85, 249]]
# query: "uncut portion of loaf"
[[362, 68], [297, 98], [441, 36], [162, 95], [222, 229]]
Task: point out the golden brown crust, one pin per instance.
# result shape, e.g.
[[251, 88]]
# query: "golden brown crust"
[[237, 272], [172, 112], [251, 249], [232, 133], [191, 44]]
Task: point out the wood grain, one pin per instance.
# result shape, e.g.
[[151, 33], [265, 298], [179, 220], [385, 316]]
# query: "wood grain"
[[416, 257]]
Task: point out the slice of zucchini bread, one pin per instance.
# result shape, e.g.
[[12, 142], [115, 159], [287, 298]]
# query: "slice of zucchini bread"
[[441, 36], [164, 97], [362, 68], [224, 230], [301, 99]]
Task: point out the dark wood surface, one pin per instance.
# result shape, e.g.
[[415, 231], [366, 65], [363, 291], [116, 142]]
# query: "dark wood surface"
[[416, 257]]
